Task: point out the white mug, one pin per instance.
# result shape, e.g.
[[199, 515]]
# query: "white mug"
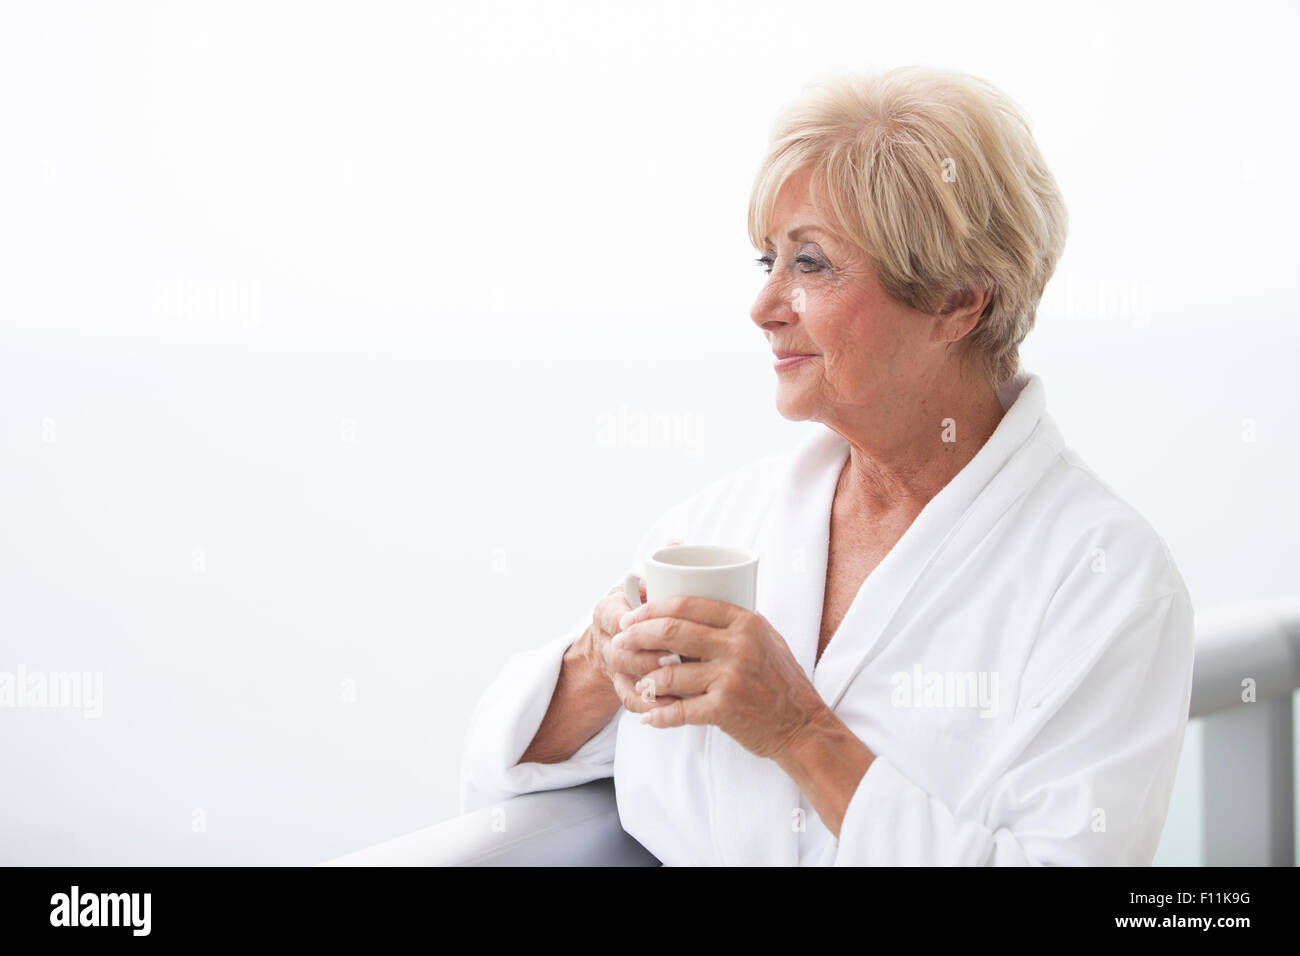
[[697, 570]]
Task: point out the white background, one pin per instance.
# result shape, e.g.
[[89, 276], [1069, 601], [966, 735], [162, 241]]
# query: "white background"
[[316, 315]]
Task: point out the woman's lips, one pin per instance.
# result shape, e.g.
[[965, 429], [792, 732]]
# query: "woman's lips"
[[790, 361]]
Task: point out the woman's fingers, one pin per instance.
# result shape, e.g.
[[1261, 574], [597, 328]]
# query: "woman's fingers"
[[676, 680], [679, 711], [612, 607], [669, 634], [632, 699], [625, 687], [608, 611], [605, 617], [634, 663]]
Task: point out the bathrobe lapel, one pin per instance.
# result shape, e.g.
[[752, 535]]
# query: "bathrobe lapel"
[[944, 534], [755, 805]]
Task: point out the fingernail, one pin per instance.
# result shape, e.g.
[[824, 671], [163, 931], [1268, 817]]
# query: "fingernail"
[[623, 621], [617, 639], [645, 718], [670, 659]]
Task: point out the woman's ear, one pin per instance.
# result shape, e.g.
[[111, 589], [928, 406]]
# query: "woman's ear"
[[961, 312]]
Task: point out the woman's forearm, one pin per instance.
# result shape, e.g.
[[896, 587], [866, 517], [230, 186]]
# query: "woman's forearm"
[[828, 764], [583, 702]]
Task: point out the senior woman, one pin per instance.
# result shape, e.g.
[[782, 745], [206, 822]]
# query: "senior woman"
[[966, 648]]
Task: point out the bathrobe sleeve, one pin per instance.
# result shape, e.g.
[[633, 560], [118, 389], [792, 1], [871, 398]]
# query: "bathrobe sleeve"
[[1086, 773], [506, 719], [507, 716]]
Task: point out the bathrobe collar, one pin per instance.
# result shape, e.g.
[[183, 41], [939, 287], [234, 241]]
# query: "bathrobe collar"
[[794, 544]]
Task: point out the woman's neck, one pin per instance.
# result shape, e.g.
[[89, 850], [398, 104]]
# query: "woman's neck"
[[883, 479]]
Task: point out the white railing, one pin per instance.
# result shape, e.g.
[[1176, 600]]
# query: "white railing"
[[1247, 669]]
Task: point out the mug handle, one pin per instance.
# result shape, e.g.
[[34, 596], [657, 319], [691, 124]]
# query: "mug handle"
[[632, 583], [632, 590]]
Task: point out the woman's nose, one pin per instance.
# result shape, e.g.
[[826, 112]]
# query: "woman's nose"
[[773, 305]]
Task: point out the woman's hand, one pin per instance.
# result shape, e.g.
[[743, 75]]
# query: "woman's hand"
[[746, 681], [623, 670]]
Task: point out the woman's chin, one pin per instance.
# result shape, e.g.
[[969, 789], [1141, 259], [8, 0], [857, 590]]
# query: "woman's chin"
[[792, 406]]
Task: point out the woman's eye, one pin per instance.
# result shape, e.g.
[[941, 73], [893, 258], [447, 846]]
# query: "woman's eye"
[[805, 263]]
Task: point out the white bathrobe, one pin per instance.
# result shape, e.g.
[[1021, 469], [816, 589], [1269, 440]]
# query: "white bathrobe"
[[1020, 664]]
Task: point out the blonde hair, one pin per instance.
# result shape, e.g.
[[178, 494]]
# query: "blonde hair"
[[935, 175]]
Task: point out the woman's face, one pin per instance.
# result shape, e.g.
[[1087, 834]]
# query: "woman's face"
[[867, 354]]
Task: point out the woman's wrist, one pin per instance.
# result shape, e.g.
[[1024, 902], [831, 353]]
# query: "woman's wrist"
[[828, 762], [582, 660], [586, 679], [583, 701]]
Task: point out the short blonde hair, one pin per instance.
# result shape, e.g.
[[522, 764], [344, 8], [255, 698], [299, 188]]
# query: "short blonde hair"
[[935, 175]]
